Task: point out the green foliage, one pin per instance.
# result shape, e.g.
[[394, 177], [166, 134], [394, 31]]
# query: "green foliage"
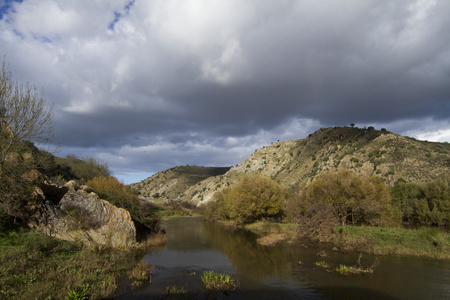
[[425, 203], [84, 170], [218, 209], [16, 181], [76, 295], [40, 267], [352, 270], [218, 281], [322, 264], [352, 198], [424, 241], [252, 199]]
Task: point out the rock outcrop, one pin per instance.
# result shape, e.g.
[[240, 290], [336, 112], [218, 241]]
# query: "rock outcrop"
[[74, 214]]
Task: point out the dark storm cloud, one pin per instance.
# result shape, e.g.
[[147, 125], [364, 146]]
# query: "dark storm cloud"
[[168, 82]]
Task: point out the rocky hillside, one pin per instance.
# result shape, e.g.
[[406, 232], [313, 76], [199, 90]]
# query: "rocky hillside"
[[172, 183], [369, 151]]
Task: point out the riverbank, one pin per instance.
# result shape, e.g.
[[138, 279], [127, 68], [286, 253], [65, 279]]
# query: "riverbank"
[[40, 267], [426, 241], [36, 266]]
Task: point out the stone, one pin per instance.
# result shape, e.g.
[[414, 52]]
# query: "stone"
[[83, 216]]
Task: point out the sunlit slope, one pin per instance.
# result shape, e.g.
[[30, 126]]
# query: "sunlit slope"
[[369, 151]]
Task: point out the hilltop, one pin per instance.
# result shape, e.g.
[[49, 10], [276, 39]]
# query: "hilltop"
[[171, 183], [294, 162]]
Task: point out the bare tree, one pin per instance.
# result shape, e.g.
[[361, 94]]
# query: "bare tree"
[[24, 117], [23, 113]]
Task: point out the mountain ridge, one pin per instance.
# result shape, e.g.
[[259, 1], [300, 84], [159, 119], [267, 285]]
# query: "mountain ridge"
[[362, 150]]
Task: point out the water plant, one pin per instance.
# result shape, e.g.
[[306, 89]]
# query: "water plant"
[[322, 264], [176, 290], [352, 270], [140, 274], [218, 281]]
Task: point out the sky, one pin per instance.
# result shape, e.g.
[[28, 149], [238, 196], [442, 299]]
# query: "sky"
[[146, 85]]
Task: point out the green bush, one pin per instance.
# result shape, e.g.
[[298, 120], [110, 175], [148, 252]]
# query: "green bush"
[[353, 198], [218, 209], [254, 198], [84, 170], [424, 203]]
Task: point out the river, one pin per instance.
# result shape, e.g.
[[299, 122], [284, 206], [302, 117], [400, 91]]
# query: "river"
[[281, 272]]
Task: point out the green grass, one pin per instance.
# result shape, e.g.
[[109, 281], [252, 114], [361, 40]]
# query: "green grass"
[[322, 264], [426, 241], [176, 290], [218, 281], [351, 270], [39, 267]]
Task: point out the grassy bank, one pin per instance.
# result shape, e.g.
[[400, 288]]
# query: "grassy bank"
[[39, 267], [426, 241]]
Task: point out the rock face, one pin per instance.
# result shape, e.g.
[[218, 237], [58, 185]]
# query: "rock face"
[[82, 215]]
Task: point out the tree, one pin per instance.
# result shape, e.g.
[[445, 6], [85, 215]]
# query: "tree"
[[24, 115], [253, 198], [355, 198], [24, 118]]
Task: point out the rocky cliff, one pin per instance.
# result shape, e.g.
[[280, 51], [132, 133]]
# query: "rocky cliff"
[[73, 213]]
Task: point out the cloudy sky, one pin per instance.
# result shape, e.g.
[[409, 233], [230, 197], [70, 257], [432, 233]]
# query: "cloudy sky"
[[146, 85]]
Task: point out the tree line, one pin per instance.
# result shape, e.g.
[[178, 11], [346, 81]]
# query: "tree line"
[[333, 199]]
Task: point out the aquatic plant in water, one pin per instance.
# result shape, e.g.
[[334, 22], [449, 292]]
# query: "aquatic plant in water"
[[349, 270], [218, 281], [322, 264]]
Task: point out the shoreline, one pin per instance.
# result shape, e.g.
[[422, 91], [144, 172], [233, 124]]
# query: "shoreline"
[[422, 242]]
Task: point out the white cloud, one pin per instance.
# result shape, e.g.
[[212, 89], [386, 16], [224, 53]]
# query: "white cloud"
[[230, 66], [211, 80]]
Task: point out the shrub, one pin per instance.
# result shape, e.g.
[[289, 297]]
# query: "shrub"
[[84, 170], [253, 198], [352, 198], [218, 209], [425, 203]]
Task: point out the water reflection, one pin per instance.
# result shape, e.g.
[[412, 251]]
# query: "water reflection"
[[274, 272]]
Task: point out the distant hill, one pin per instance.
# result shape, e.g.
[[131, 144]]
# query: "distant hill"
[[171, 183], [367, 151]]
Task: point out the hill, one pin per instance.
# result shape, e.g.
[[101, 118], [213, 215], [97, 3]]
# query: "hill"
[[366, 151], [171, 183]]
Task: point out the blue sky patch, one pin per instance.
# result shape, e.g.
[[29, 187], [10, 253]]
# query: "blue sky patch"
[[118, 15], [5, 6]]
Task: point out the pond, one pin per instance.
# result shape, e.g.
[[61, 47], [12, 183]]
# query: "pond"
[[281, 272]]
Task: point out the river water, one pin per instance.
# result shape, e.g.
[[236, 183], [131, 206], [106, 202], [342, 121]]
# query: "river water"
[[194, 245]]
